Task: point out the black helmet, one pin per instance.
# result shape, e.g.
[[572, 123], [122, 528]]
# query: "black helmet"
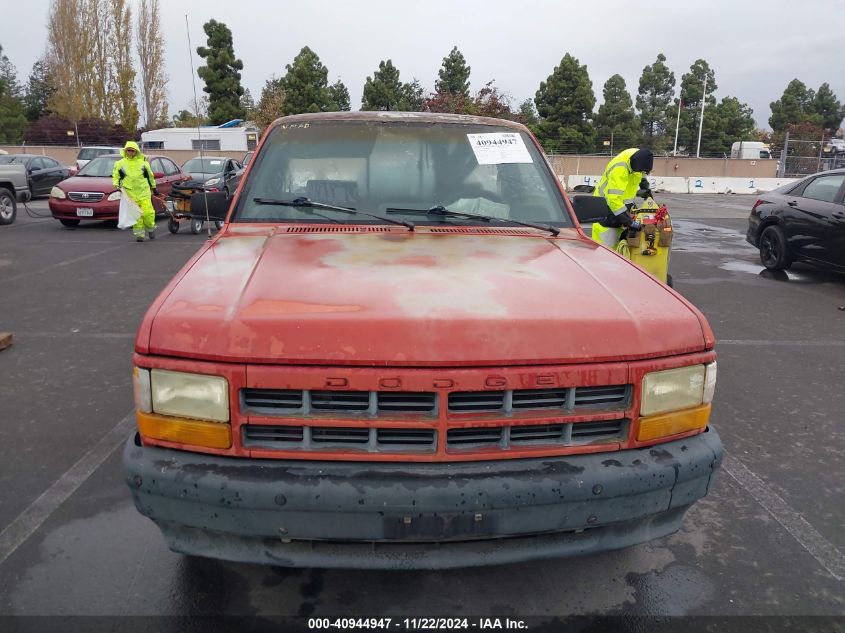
[[642, 160]]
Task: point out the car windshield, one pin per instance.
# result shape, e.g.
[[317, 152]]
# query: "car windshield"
[[99, 167], [9, 159], [398, 168], [204, 165], [87, 153]]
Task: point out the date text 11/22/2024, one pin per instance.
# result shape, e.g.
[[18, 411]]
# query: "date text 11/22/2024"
[[415, 624]]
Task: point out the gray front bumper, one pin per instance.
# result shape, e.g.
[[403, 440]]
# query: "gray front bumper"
[[383, 515]]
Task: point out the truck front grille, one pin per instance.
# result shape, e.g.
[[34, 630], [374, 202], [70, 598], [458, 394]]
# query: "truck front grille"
[[569, 434], [565, 399], [296, 402]]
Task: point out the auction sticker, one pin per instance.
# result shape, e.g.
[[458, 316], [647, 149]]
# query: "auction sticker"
[[499, 148]]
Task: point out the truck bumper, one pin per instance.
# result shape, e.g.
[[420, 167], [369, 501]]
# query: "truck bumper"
[[417, 516]]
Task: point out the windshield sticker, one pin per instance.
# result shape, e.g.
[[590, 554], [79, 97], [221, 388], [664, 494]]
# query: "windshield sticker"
[[215, 162], [499, 148]]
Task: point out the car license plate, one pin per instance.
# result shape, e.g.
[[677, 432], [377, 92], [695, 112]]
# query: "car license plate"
[[85, 212]]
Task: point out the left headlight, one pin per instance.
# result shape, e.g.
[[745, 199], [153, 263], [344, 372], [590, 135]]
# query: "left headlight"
[[212, 182], [674, 389], [114, 195], [55, 192], [187, 395]]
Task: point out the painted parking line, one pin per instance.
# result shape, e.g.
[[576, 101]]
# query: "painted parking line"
[[825, 552], [61, 264], [780, 343], [28, 521]]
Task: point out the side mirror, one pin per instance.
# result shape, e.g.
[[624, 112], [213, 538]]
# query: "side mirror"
[[158, 174], [211, 204], [589, 209]]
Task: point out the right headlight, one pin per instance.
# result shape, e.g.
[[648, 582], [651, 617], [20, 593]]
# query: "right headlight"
[[114, 195], [675, 389], [55, 192], [186, 395]]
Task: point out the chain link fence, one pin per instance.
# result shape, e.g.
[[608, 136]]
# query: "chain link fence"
[[801, 157]]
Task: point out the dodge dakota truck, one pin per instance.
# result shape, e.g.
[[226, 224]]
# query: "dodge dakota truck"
[[403, 351]]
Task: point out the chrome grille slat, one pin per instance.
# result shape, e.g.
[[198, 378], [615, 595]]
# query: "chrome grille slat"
[[85, 196]]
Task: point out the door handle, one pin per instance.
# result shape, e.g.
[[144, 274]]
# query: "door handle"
[[838, 214], [792, 203]]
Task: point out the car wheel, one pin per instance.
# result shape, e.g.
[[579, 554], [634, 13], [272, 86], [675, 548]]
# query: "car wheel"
[[8, 207], [218, 224], [774, 253], [69, 223], [196, 226], [173, 226]]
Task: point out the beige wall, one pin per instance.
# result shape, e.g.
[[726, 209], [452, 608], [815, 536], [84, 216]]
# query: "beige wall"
[[67, 155], [567, 165], [564, 165]]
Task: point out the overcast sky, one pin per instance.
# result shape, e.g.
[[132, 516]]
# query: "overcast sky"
[[755, 47]]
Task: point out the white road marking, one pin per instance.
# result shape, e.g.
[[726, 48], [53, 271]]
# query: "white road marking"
[[66, 262], [28, 521], [86, 335], [825, 552]]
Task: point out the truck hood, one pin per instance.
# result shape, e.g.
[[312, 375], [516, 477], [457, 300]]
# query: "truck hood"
[[306, 295]]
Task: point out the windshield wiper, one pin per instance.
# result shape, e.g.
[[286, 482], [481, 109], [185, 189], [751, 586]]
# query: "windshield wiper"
[[304, 203], [446, 213]]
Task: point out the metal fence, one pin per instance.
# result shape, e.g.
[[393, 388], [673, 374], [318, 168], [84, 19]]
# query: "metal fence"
[[800, 157]]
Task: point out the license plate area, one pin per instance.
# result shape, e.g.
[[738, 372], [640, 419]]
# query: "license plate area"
[[85, 212], [440, 527]]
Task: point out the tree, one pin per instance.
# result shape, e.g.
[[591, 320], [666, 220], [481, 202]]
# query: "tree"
[[269, 107], [339, 97], [692, 94], [827, 107], [413, 96], [221, 74], [528, 114], [657, 85], [453, 77], [616, 120], [384, 90], [123, 90], [492, 102], [70, 59], [248, 104], [39, 90], [734, 123], [12, 119], [150, 48], [305, 85], [565, 104], [794, 106], [445, 101]]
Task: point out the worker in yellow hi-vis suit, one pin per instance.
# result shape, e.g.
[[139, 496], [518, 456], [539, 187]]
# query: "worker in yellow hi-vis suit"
[[623, 178], [133, 174]]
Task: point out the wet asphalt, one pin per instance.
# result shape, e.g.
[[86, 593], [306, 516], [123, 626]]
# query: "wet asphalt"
[[768, 540]]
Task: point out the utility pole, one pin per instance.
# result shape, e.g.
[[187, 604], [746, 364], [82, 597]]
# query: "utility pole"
[[677, 126], [701, 123]]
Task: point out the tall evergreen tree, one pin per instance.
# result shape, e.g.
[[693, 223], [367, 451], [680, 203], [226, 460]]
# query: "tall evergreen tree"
[[412, 97], [39, 89], [12, 119], [657, 85], [616, 120], [221, 74], [339, 97], [827, 107], [565, 104], [736, 123], [453, 76], [269, 107], [306, 86], [384, 90], [795, 106]]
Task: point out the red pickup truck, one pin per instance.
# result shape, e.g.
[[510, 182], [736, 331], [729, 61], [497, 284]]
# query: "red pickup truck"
[[402, 351]]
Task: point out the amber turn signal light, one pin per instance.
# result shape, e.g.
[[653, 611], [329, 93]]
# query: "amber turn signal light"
[[182, 431], [674, 423]]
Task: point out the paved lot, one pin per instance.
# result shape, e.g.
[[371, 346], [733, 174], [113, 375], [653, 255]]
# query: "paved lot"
[[768, 540]]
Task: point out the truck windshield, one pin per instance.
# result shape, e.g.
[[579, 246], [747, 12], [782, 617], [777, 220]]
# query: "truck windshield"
[[385, 167]]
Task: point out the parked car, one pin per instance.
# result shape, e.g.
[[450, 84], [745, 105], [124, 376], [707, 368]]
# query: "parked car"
[[42, 172], [89, 153], [834, 147], [14, 188], [402, 350], [247, 157], [215, 173], [90, 195], [803, 221]]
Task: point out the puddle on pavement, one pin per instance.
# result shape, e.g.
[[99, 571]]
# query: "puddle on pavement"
[[740, 266]]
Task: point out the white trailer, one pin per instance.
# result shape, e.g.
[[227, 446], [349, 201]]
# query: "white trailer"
[[227, 139], [753, 150]]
